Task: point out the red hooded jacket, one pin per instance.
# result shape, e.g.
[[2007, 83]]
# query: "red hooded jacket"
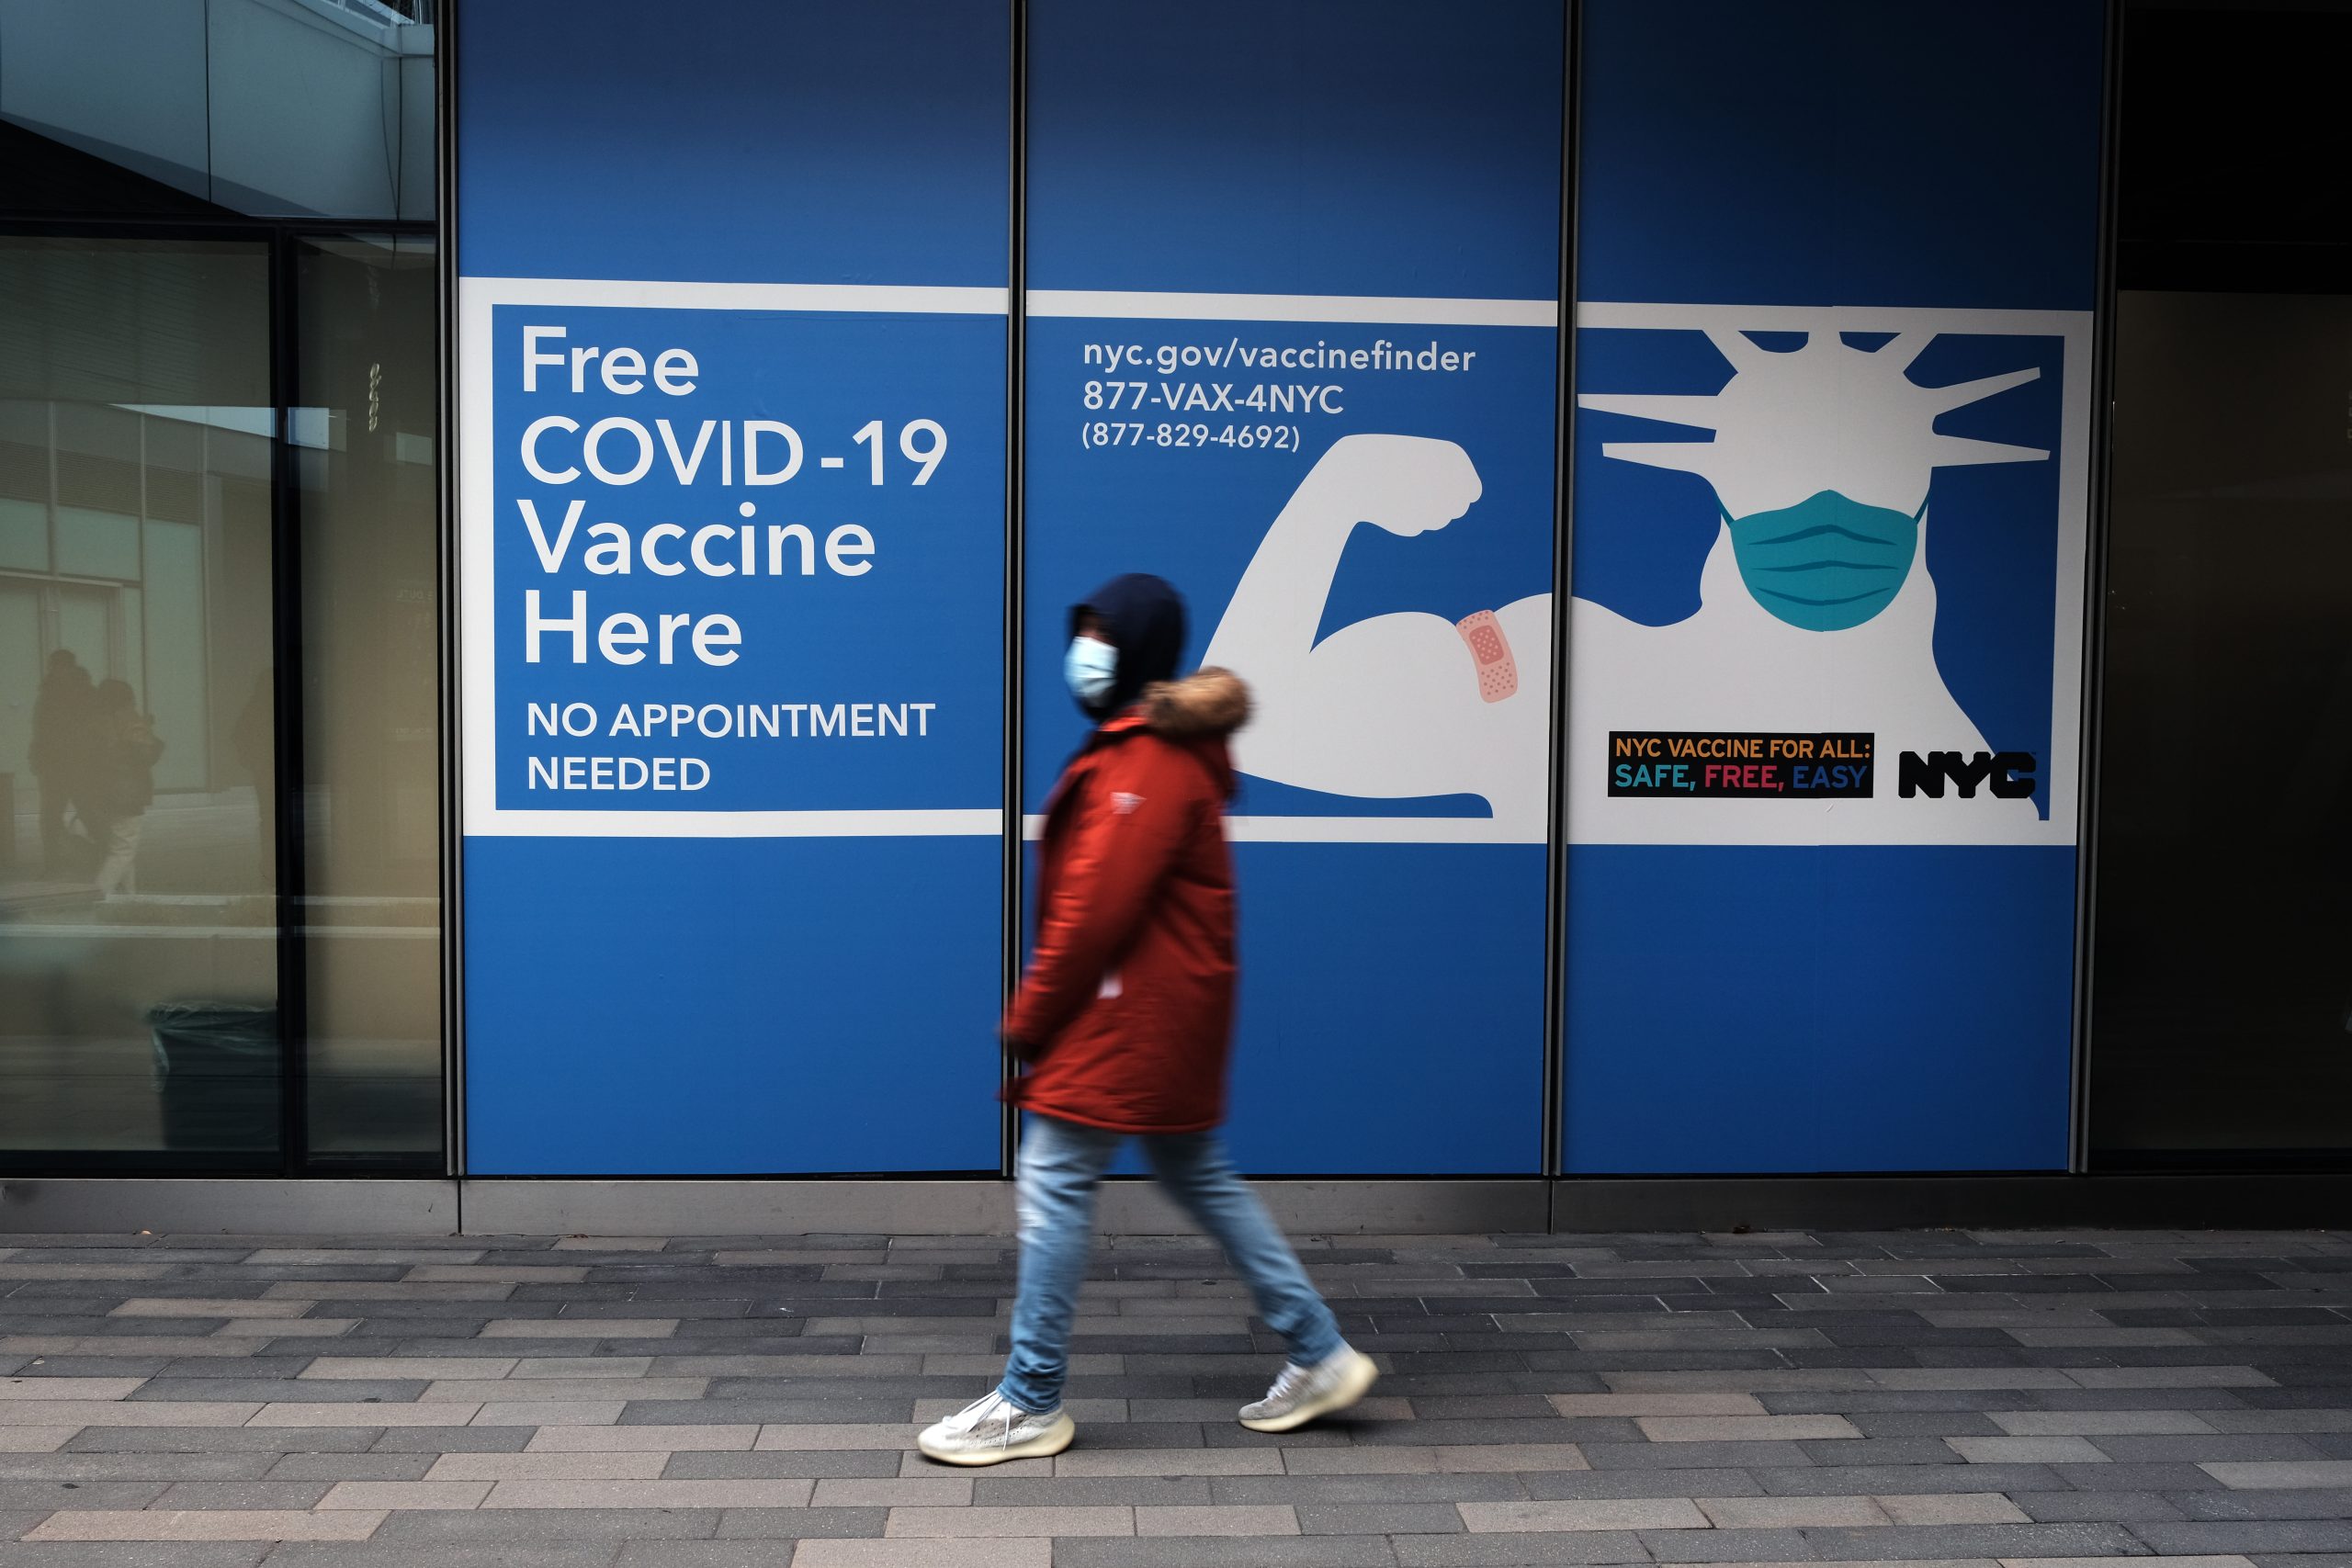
[[1129, 990]]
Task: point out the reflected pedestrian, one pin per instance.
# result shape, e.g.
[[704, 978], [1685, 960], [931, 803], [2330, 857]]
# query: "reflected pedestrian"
[[1123, 1018], [60, 713], [254, 741], [113, 802]]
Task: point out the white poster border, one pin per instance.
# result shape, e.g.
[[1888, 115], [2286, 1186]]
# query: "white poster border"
[[478, 298]]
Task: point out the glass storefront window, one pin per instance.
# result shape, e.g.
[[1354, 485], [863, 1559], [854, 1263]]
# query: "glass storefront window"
[[139, 966], [370, 903], [2223, 977], [219, 495]]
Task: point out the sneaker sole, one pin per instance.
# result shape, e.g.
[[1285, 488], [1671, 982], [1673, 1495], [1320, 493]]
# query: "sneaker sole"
[[1044, 1446], [1362, 1375]]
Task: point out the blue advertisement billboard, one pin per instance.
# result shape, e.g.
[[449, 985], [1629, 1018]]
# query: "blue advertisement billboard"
[[1832, 471], [731, 482], [1293, 345]]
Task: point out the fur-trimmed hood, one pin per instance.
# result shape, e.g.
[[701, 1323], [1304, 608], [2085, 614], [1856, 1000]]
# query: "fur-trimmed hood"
[[1208, 703]]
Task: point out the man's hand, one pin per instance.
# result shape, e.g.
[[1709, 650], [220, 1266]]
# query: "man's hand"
[[1024, 1052]]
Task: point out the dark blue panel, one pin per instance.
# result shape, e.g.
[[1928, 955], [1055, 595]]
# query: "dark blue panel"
[[1392, 1009], [720, 1005], [1738, 1010], [690, 1006], [1398, 986], [1381, 1033], [819, 141], [1840, 152], [1385, 147], [1875, 1007], [1392, 992]]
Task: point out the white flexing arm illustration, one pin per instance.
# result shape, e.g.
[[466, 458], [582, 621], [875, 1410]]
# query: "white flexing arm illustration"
[[1396, 705]]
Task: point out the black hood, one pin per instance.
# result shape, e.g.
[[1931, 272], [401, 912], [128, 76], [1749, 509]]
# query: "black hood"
[[1145, 617]]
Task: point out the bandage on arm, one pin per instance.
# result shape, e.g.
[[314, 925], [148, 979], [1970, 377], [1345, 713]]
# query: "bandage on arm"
[[1498, 671]]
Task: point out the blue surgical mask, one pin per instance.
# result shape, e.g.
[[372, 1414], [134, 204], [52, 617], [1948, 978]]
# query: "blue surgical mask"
[[1829, 562], [1090, 667]]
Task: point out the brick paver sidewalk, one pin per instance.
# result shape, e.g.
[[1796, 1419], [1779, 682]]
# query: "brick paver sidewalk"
[[707, 1404]]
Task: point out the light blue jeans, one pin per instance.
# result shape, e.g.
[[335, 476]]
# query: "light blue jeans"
[[1061, 1166]]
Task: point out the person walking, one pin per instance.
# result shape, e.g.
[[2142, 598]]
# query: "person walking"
[[1122, 1020], [121, 784], [60, 712]]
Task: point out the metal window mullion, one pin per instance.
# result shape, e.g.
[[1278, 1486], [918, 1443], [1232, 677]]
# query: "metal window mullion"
[[286, 633], [2102, 395], [452, 818], [1553, 1161], [1016, 427]]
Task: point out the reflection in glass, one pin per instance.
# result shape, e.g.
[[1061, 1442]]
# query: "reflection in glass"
[[138, 945], [2223, 977], [261, 107], [371, 907]]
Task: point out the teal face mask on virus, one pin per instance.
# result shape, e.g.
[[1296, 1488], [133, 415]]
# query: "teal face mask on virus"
[[1829, 562]]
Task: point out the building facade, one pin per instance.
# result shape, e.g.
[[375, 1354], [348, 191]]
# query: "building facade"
[[1767, 541]]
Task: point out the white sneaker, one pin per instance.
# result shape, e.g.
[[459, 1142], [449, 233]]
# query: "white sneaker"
[[993, 1429], [1301, 1394]]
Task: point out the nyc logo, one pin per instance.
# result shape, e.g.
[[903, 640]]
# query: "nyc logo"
[[2008, 774]]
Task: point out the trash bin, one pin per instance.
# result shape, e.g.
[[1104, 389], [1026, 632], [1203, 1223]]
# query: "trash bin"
[[216, 1073]]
